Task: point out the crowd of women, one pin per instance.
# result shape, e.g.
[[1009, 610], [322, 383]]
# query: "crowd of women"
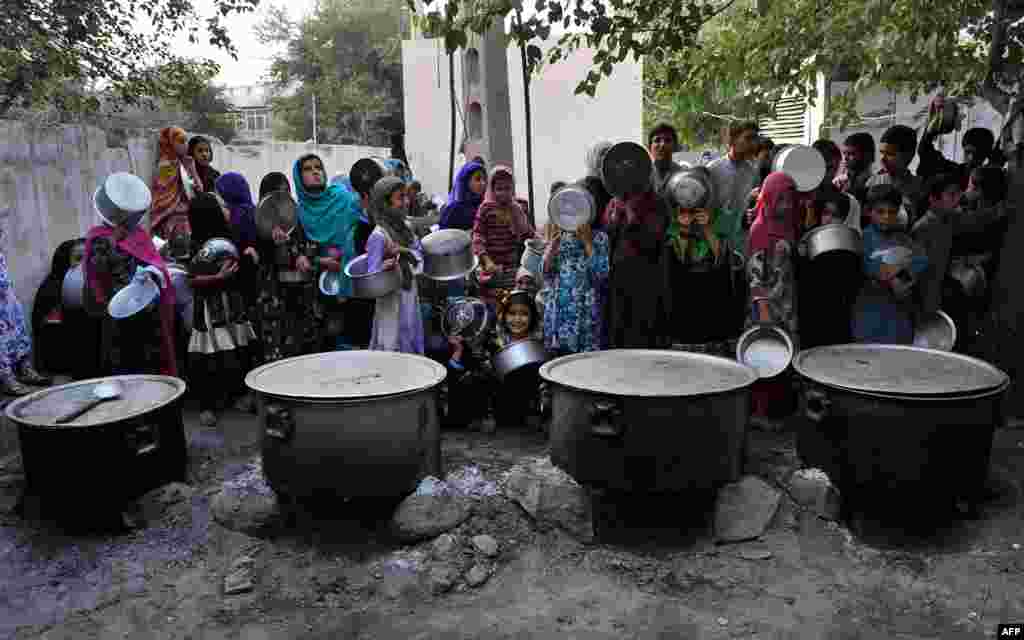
[[687, 267]]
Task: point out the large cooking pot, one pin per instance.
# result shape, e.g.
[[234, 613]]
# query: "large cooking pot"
[[114, 452], [647, 420], [903, 430], [276, 209], [519, 356], [72, 293], [831, 238], [349, 423], [372, 285], [626, 169], [572, 207], [448, 255], [805, 165]]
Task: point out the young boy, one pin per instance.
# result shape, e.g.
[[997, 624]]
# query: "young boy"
[[885, 309]]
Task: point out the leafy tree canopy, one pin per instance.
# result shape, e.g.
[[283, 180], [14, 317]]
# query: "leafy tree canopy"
[[48, 48], [348, 53], [765, 49]]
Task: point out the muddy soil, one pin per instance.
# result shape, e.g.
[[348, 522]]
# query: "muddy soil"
[[338, 574]]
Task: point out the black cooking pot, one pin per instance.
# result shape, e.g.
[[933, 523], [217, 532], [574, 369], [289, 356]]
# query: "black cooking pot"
[[649, 421], [903, 431]]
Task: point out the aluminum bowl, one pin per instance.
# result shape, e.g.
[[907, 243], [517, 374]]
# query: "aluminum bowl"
[[935, 331], [832, 237], [519, 355], [768, 350], [73, 289], [372, 285]]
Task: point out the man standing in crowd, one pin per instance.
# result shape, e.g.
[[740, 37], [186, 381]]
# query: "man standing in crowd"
[[734, 177]]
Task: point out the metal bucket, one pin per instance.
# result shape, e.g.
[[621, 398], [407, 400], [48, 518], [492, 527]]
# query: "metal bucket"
[[832, 237]]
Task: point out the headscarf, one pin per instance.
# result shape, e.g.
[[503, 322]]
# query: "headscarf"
[[207, 220], [460, 211], [168, 213], [139, 245], [595, 157], [393, 221], [768, 226], [274, 181], [505, 299], [399, 169], [208, 175], [50, 292], [520, 225], [328, 217], [235, 190]]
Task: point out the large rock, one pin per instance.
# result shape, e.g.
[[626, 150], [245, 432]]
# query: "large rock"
[[423, 517], [551, 497], [745, 509], [244, 511], [812, 489]]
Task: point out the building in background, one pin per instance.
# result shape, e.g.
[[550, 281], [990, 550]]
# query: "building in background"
[[254, 112]]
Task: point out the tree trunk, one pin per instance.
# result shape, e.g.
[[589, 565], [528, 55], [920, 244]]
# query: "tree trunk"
[[451, 93], [529, 124]]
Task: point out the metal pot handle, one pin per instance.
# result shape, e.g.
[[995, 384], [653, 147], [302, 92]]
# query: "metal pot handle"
[[605, 419], [817, 405], [147, 439], [279, 422]]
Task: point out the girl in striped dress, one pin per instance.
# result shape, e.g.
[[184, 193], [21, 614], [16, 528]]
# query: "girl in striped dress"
[[500, 230]]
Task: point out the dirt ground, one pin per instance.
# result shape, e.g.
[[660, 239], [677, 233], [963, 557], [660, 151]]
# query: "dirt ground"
[[342, 577]]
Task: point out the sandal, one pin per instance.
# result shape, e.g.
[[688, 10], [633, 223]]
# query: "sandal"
[[12, 387], [28, 375]]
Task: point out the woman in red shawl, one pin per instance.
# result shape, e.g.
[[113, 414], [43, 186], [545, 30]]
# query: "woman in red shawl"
[[169, 214], [499, 232], [114, 251], [771, 249]]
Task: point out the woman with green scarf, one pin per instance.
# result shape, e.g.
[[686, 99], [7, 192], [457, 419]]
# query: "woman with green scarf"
[[328, 215], [703, 314]]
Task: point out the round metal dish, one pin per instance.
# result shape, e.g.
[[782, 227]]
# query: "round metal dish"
[[935, 331], [467, 317], [519, 355], [832, 237], [448, 255], [276, 209], [372, 285], [897, 369], [691, 188], [213, 254], [626, 169], [330, 284], [803, 164], [767, 350], [572, 207], [139, 295]]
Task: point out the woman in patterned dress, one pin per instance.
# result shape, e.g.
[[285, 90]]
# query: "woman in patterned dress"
[[576, 275], [16, 369], [291, 318], [171, 195], [220, 344]]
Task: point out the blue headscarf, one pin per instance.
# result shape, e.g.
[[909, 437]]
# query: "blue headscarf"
[[460, 212], [345, 182], [329, 218]]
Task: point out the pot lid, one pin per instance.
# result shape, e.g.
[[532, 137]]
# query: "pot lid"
[[572, 207], [648, 373], [346, 375], [140, 394], [899, 369], [626, 169]]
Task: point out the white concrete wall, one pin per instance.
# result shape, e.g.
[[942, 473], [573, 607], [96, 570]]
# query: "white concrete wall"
[[564, 124], [48, 176]]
